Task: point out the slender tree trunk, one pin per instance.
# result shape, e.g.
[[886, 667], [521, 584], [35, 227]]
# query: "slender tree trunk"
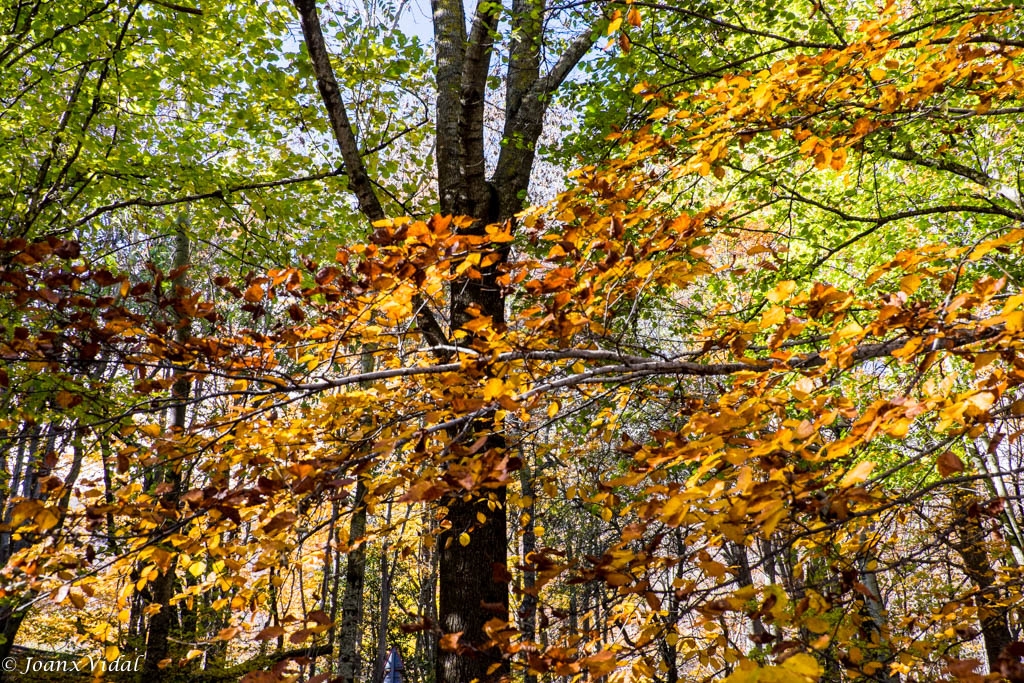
[[157, 638], [878, 627], [426, 641], [528, 608], [10, 616], [352, 603], [737, 555], [331, 587], [383, 615], [988, 459]]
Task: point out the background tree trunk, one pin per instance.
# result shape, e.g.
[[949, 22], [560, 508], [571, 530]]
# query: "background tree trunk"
[[162, 588], [352, 603], [969, 542]]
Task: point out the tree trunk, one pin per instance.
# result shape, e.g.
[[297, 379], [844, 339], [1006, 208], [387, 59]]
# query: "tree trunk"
[[383, 616], [528, 609], [157, 638], [426, 641], [159, 632], [472, 589], [10, 622], [352, 603], [969, 542]]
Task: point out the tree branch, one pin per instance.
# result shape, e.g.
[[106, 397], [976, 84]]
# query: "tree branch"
[[213, 194], [472, 90], [359, 181]]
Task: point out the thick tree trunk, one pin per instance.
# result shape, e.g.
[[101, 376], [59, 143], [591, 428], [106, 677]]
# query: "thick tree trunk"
[[159, 632], [472, 589], [10, 622], [473, 578]]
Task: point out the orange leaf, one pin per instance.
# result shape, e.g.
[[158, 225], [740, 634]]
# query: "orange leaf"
[[450, 641], [254, 293]]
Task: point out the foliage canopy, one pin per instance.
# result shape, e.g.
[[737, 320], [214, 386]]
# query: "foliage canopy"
[[742, 403]]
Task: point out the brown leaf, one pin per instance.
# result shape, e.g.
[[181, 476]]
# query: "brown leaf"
[[948, 463], [319, 616], [269, 633], [280, 521], [300, 635]]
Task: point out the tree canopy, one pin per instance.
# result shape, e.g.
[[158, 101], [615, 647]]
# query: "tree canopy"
[[295, 368]]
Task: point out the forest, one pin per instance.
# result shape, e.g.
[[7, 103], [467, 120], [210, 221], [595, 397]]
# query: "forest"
[[531, 341]]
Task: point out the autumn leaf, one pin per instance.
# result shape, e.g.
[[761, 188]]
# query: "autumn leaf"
[[449, 642], [948, 463], [857, 475], [269, 633]]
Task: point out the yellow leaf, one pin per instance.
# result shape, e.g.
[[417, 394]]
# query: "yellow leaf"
[[77, 599], [816, 625], [493, 389], [23, 511], [464, 539], [983, 359], [111, 652], [910, 283], [877, 74], [553, 408], [615, 25], [803, 388], [804, 665], [151, 430], [781, 291], [773, 316], [858, 474], [45, 519]]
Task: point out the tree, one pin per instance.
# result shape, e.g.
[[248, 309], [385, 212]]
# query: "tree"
[[747, 372], [468, 577]]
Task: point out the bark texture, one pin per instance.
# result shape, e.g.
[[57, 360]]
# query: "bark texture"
[[969, 542]]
